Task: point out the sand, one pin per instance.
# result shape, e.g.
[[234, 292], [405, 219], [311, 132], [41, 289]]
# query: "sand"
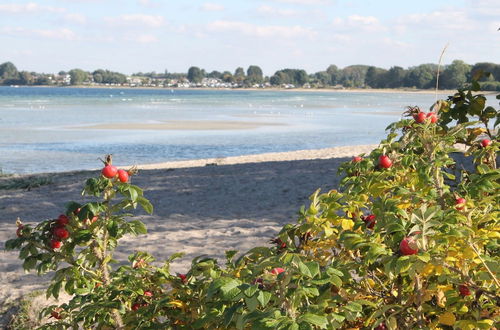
[[204, 206], [196, 125]]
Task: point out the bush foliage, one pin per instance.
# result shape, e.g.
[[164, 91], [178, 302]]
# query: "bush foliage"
[[410, 241]]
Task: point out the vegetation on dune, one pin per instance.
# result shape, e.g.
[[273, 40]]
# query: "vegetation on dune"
[[409, 241]]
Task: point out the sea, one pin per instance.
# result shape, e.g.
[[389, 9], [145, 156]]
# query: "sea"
[[56, 129]]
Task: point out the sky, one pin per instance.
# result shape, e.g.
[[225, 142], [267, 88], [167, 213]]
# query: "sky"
[[158, 35]]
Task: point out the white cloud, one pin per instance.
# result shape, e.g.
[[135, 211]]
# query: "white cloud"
[[142, 38], [30, 7], [137, 20], [262, 31], [271, 11], [439, 21], [305, 2], [57, 34], [149, 3], [355, 23], [75, 18], [208, 6]]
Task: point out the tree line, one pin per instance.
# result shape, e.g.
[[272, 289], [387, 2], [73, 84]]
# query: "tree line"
[[423, 76]]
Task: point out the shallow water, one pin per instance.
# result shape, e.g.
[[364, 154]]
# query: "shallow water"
[[50, 129]]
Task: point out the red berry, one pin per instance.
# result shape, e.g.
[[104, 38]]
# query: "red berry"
[[277, 271], [370, 221], [381, 326], [357, 159], [148, 293], [61, 233], [123, 175], [460, 203], [55, 244], [56, 315], [19, 231], [464, 290], [384, 161], [136, 306], [433, 117], [485, 143], [109, 171], [183, 277], [408, 246], [62, 220], [420, 117]]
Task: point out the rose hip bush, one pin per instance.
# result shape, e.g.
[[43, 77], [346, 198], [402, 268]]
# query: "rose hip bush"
[[410, 240]]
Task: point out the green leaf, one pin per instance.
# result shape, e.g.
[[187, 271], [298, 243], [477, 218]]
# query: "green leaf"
[[304, 270], [263, 298], [317, 320], [226, 286], [145, 204], [313, 268], [403, 264], [354, 307], [252, 303], [138, 227], [250, 290]]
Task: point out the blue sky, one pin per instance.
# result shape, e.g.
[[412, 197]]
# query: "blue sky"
[[155, 35]]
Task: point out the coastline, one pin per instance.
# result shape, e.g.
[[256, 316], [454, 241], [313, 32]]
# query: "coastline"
[[274, 89]]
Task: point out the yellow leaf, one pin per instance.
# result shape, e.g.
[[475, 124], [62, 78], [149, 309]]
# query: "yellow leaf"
[[347, 224], [427, 295], [446, 287], [370, 282], [447, 319], [403, 205], [468, 253], [177, 303], [328, 230], [428, 269]]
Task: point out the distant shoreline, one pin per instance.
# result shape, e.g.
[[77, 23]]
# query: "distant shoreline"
[[272, 89]]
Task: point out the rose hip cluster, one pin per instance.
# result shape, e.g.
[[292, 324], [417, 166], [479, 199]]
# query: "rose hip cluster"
[[421, 117], [109, 171]]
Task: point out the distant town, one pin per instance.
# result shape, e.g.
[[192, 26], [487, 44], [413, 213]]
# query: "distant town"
[[454, 75]]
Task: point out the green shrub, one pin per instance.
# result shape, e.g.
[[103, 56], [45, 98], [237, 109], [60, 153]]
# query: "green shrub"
[[408, 241]]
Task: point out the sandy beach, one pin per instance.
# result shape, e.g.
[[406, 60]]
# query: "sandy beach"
[[202, 206]]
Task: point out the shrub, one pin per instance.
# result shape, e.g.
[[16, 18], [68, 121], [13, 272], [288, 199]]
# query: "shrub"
[[409, 240]]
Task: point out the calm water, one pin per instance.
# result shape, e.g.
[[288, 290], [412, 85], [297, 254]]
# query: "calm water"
[[48, 129]]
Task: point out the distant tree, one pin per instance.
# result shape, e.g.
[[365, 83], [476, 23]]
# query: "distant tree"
[[62, 73], [26, 78], [455, 75], [395, 77], [322, 78], [375, 77], [254, 75], [78, 76], [215, 75], [422, 76], [239, 75], [354, 75], [335, 74], [300, 78], [8, 71], [492, 68], [227, 77], [195, 75]]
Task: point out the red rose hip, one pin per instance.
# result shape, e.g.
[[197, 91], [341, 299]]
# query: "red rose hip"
[[485, 143], [109, 171], [384, 161], [460, 203], [420, 117], [62, 220], [408, 246], [61, 233], [370, 221], [277, 271], [123, 175], [432, 117], [357, 159], [464, 290], [55, 244]]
